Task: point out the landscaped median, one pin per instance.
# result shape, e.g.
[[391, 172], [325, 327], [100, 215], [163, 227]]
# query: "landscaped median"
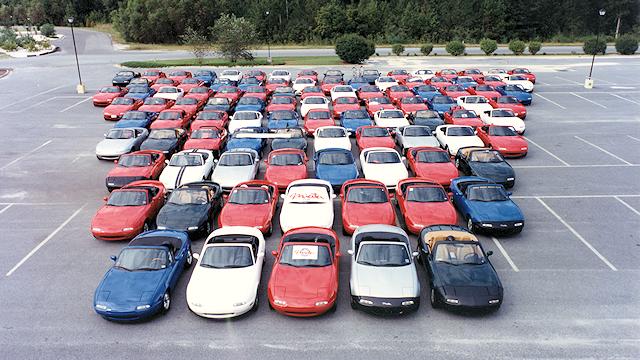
[[285, 60]]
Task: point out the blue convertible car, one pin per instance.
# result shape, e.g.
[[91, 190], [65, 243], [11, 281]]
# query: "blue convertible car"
[[353, 119], [335, 166], [441, 104], [136, 118], [516, 91], [486, 205], [143, 277]]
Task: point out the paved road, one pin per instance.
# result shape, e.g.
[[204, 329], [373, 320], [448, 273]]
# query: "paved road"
[[570, 277]]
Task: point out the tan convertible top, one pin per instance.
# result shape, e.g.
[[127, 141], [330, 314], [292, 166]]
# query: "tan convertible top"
[[432, 237], [466, 151]]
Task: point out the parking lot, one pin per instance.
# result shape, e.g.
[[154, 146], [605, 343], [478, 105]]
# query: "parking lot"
[[570, 277]]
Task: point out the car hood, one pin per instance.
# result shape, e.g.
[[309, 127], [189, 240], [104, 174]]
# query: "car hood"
[[498, 172], [180, 217], [245, 215], [288, 143], [439, 172], [297, 215], [336, 174], [132, 123], [388, 174], [202, 144], [173, 176], [384, 282], [279, 174], [158, 144], [368, 142], [413, 141], [464, 276], [114, 145], [255, 144], [222, 287], [362, 214], [124, 287], [130, 171], [495, 211], [430, 213], [116, 218], [229, 176], [291, 282]]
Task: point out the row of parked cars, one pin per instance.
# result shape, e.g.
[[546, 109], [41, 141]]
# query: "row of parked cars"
[[189, 148]]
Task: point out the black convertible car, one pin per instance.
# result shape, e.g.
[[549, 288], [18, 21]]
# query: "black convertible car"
[[486, 163], [191, 208]]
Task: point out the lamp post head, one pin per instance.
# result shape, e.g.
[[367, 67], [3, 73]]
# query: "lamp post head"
[[602, 12], [266, 13], [70, 20]]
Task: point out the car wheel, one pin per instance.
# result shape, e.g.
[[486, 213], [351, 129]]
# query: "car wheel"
[[189, 260], [354, 306], [270, 306], [166, 302], [270, 231], [435, 303], [256, 303], [333, 308], [207, 228], [470, 225], [344, 231]]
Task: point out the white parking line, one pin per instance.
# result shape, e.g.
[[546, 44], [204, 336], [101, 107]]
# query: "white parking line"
[[32, 96], [596, 196], [504, 253], [25, 155], [43, 242], [634, 138], [76, 104], [6, 208], [572, 166], [551, 101], [571, 81], [603, 150], [627, 205], [548, 152], [625, 99], [574, 232], [591, 101], [604, 81]]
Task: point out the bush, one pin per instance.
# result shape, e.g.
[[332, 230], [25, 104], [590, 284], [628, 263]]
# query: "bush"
[[591, 47], [627, 44], [488, 46], [7, 34], [397, 49], [25, 41], [198, 44], [354, 49], [455, 48], [517, 47], [48, 30], [9, 45], [426, 49], [234, 37], [534, 47]]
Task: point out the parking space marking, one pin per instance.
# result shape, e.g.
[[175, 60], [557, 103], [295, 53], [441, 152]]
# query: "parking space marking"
[[576, 234], [619, 200], [76, 104], [32, 96], [634, 138], [571, 166], [591, 101], [571, 81], [6, 208], [603, 150], [551, 101], [504, 253], [596, 196], [625, 99], [548, 152], [25, 155], [43, 242]]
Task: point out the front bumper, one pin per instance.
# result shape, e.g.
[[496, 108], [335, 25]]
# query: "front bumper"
[[131, 315], [302, 307], [386, 306], [119, 235], [221, 313]]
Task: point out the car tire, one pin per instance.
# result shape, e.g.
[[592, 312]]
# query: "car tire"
[[270, 306], [344, 231], [333, 308], [166, 302], [189, 261], [207, 228], [354, 306], [433, 298], [256, 304], [470, 226], [270, 231]]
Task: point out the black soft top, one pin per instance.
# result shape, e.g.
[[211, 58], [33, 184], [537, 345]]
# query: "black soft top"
[[380, 236], [311, 238], [173, 244], [235, 239]]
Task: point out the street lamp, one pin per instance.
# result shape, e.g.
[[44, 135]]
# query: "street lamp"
[[588, 82], [268, 35], [80, 87]]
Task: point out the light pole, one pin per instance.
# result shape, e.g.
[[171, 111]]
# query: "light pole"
[[268, 35], [80, 87], [588, 82]]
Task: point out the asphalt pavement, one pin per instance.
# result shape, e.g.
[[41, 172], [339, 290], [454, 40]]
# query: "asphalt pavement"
[[570, 278]]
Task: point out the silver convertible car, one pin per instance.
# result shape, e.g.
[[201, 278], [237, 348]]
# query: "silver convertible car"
[[383, 274], [120, 141]]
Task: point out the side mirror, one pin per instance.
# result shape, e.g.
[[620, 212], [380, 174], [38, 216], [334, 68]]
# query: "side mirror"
[[333, 196], [196, 256], [105, 198], [115, 162], [274, 253], [166, 162], [415, 254], [282, 196], [489, 253], [350, 252], [509, 193], [113, 257], [338, 254]]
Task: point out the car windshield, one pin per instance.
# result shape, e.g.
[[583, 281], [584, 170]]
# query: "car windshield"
[[162, 134], [134, 115], [486, 156], [502, 131], [170, 115], [188, 197], [502, 113], [226, 257], [151, 73], [191, 81], [513, 88], [464, 79], [439, 79], [110, 89], [203, 73], [417, 131], [335, 158], [448, 72], [230, 159], [199, 90], [371, 72], [475, 100], [155, 101], [518, 77], [164, 81], [370, 88], [294, 133], [380, 100], [380, 157], [398, 88], [464, 114], [454, 88], [283, 90], [399, 72], [228, 90], [375, 132], [426, 88], [304, 81], [250, 80], [186, 101], [299, 255], [178, 73], [120, 134], [348, 89], [426, 194], [312, 89], [124, 73], [218, 101], [427, 114], [315, 115], [186, 160], [331, 133], [134, 160], [286, 160], [122, 101], [442, 100], [308, 194], [206, 115], [391, 114], [249, 101], [245, 115], [492, 78], [367, 195], [282, 100], [142, 259], [521, 71], [411, 100], [283, 115], [432, 157], [484, 88], [255, 89], [507, 100], [127, 198], [247, 196], [486, 193], [280, 73], [346, 100], [205, 134], [168, 90], [473, 71], [460, 131], [383, 254], [457, 253], [277, 81]]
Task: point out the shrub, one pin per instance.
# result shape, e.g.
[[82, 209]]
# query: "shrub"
[[354, 49], [627, 44], [9, 45], [48, 30], [426, 49], [234, 37], [534, 47], [455, 47], [7, 34], [397, 49], [517, 47], [488, 46], [25, 41], [593, 47]]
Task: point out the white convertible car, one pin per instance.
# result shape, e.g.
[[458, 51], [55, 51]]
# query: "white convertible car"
[[307, 202], [120, 141], [503, 117], [390, 118], [225, 280], [475, 103], [519, 80], [454, 137], [415, 135], [245, 118], [424, 74], [384, 165], [232, 75], [280, 74], [169, 93], [301, 83], [236, 166], [331, 137], [313, 103], [384, 82], [187, 166], [342, 91]]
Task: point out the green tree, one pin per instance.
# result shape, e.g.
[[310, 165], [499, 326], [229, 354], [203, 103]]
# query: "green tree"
[[198, 44], [488, 46], [354, 49], [330, 21], [233, 36]]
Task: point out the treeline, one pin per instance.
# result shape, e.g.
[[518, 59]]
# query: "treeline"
[[318, 21]]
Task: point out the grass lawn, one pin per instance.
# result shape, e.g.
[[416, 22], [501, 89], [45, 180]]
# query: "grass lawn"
[[289, 60]]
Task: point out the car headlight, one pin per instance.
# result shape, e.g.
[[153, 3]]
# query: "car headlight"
[[517, 224], [127, 229], [321, 303], [280, 302], [504, 149], [407, 303], [96, 229], [366, 302], [239, 303], [143, 307], [101, 307], [162, 228], [524, 148], [195, 304], [192, 228], [511, 179], [487, 225], [494, 301], [453, 301]]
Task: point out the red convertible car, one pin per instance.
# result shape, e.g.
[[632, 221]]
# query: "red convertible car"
[[523, 71], [374, 105], [368, 92], [285, 166], [207, 138], [128, 211], [190, 83], [275, 83], [119, 106], [455, 91], [308, 73], [397, 92], [342, 104], [105, 95], [400, 75], [259, 92], [282, 103], [171, 119], [374, 136], [433, 164], [460, 116], [493, 80], [230, 92], [154, 104], [476, 74], [448, 74], [190, 106], [251, 203], [316, 118], [216, 118], [135, 166], [329, 83], [179, 75], [163, 82], [153, 75], [258, 74], [487, 91], [200, 93], [411, 104], [304, 278], [311, 91], [504, 139], [509, 102], [413, 82], [365, 202], [439, 82], [424, 203]]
